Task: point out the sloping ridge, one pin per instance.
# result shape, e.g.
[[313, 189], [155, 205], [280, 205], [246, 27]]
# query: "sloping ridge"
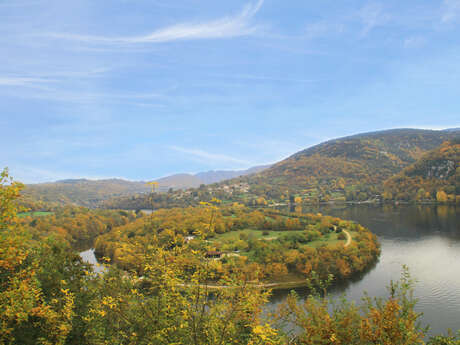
[[354, 164], [179, 181], [435, 176]]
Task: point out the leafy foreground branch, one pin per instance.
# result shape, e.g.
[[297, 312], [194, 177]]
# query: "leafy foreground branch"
[[392, 320], [49, 296], [161, 308]]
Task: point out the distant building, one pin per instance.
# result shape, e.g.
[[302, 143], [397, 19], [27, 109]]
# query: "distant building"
[[189, 238], [213, 254]]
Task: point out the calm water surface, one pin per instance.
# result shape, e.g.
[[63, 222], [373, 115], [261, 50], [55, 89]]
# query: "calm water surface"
[[88, 256], [426, 239]]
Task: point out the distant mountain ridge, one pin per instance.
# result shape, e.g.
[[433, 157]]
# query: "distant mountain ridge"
[[185, 181], [215, 176], [90, 193], [178, 181]]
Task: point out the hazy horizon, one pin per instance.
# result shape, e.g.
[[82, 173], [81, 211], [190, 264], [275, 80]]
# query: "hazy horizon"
[[213, 170]]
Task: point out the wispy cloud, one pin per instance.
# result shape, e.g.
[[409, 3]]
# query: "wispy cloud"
[[83, 97], [23, 81], [267, 78], [435, 127], [227, 27], [269, 150], [361, 20], [41, 78], [414, 42], [20, 3], [372, 15], [210, 157], [67, 87], [323, 28], [451, 11], [29, 175]]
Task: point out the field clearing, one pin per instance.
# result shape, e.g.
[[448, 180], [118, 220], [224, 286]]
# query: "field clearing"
[[253, 233], [328, 239], [34, 214]]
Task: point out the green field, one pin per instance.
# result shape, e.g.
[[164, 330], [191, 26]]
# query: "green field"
[[252, 233], [34, 214], [328, 239]]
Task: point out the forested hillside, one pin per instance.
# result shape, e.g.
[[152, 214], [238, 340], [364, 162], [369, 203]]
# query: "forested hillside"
[[351, 168], [435, 176], [82, 191]]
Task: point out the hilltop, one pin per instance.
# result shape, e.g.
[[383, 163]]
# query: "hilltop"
[[178, 181]]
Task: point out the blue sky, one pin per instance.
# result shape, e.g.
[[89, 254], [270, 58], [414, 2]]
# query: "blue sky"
[[144, 88]]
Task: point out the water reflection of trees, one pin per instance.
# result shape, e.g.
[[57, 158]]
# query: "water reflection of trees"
[[389, 220]]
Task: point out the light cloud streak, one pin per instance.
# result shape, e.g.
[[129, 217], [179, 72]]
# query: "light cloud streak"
[[226, 27], [91, 97], [210, 157], [414, 42], [268, 78], [323, 28], [59, 90], [23, 81], [39, 79], [29, 175], [20, 3], [372, 16], [451, 11], [270, 150]]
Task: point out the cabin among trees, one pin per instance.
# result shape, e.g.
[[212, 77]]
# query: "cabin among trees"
[[213, 254]]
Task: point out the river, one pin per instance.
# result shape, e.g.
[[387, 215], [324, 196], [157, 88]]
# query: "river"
[[426, 238], [89, 256]]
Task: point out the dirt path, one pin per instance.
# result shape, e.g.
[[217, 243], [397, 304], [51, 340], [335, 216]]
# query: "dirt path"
[[348, 238]]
